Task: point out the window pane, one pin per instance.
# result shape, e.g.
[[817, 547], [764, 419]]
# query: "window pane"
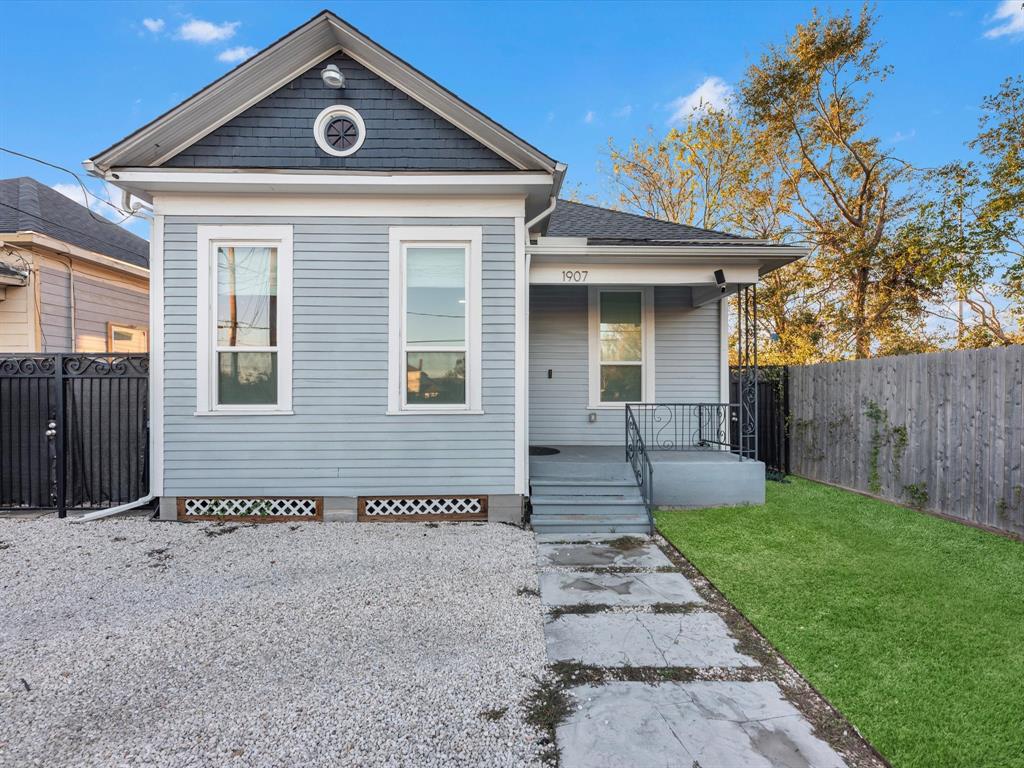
[[620, 327], [247, 378], [621, 383], [436, 378], [435, 296], [246, 296]]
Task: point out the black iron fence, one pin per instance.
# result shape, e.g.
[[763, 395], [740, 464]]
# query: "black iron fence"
[[772, 422], [74, 431]]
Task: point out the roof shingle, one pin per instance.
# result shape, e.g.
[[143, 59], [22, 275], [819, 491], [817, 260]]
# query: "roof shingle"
[[602, 225], [26, 205]]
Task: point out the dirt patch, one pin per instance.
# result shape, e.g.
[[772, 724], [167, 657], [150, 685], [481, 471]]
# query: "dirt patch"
[[220, 529], [494, 714], [159, 557], [625, 543], [527, 592], [546, 706]]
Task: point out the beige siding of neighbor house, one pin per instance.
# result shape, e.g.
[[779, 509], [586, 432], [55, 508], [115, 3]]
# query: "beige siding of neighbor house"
[[101, 297], [17, 316]]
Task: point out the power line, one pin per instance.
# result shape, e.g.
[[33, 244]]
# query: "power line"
[[85, 190], [76, 231]]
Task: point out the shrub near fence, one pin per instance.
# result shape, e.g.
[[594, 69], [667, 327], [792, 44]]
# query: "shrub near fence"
[[942, 431]]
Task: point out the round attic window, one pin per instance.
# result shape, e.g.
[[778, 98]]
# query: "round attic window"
[[339, 130]]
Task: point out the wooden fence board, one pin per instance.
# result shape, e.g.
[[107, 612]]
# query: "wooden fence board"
[[963, 412]]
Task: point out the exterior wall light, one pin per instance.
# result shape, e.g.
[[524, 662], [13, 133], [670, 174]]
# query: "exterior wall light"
[[332, 77]]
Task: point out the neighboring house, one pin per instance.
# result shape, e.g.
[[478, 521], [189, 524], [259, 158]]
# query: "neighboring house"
[[69, 281], [363, 289]]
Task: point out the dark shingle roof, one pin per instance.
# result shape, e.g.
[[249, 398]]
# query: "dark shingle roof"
[[604, 226], [27, 205]]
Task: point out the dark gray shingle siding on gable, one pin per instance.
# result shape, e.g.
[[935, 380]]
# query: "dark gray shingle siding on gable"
[[26, 205], [598, 225], [401, 134]]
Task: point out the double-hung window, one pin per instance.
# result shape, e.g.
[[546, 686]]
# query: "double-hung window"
[[621, 346], [434, 319], [245, 322]]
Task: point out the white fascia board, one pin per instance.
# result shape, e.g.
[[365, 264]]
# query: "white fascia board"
[[633, 272], [146, 183], [294, 205], [28, 238], [718, 248]]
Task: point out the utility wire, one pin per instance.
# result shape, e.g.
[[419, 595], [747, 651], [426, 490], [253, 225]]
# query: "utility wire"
[[85, 190], [63, 225]]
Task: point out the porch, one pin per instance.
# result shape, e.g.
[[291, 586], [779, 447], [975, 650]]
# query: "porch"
[[692, 478]]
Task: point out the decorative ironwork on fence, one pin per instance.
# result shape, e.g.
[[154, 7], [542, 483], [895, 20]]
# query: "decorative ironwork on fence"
[[687, 426], [74, 430]]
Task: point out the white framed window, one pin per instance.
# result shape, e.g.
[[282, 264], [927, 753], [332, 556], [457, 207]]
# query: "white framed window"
[[127, 339], [621, 346], [244, 330], [434, 320]]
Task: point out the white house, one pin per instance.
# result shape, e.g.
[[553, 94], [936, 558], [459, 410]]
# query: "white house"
[[367, 300]]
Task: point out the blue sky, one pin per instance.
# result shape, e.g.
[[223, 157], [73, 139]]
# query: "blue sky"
[[565, 76]]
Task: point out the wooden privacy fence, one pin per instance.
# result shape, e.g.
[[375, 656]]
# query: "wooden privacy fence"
[[943, 431]]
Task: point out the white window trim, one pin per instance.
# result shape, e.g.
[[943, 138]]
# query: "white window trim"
[[594, 342], [209, 237], [398, 239]]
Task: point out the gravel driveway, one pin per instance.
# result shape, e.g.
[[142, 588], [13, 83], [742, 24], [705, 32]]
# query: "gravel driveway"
[[130, 642]]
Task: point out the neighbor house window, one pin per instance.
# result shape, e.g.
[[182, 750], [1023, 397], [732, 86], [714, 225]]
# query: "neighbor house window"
[[245, 362], [127, 339], [621, 346], [435, 319]]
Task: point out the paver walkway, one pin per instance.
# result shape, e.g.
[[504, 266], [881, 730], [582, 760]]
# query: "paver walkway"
[[620, 605]]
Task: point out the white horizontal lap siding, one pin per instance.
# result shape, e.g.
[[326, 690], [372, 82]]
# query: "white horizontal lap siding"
[[687, 355], [340, 442]]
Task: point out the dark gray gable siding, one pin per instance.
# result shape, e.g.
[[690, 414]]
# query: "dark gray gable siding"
[[401, 134]]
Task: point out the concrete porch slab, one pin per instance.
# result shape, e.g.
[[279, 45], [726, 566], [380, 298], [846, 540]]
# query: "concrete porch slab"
[[710, 724], [598, 555], [625, 589], [698, 639]]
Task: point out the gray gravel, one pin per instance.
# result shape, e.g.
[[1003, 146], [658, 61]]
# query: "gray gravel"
[[128, 642]]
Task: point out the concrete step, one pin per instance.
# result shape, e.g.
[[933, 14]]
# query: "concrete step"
[[578, 487], [611, 523], [619, 471], [588, 506]]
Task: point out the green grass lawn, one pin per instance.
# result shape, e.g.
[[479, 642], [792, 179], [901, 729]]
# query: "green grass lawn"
[[912, 626]]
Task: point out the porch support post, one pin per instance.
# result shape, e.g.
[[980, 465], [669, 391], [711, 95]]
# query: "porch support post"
[[746, 341]]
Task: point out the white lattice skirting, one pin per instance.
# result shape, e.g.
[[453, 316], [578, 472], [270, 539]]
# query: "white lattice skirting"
[[241, 507], [451, 505]]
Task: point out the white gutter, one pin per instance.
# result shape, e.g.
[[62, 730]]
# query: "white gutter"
[[101, 513], [541, 216]]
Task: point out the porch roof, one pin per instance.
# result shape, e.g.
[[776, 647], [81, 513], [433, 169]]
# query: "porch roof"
[[607, 227]]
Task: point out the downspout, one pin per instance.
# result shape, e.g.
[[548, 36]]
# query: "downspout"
[[101, 513], [73, 309], [541, 216]]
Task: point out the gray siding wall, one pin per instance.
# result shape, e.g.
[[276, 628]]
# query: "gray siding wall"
[[97, 303], [339, 442], [401, 134], [687, 360]]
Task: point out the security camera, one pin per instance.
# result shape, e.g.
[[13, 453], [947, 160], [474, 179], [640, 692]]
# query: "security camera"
[[720, 279]]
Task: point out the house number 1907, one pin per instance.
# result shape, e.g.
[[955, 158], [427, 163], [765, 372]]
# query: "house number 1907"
[[574, 275]]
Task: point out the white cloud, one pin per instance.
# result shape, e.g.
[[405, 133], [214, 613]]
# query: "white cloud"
[[153, 25], [714, 92], [901, 136], [238, 53], [589, 117], [95, 200], [200, 31], [625, 111], [1011, 15]]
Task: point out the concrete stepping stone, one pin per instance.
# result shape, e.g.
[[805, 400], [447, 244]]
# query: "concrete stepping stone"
[[628, 589], [710, 724], [697, 639], [598, 555]]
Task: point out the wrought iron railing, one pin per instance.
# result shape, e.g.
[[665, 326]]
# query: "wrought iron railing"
[[643, 470], [692, 427]]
